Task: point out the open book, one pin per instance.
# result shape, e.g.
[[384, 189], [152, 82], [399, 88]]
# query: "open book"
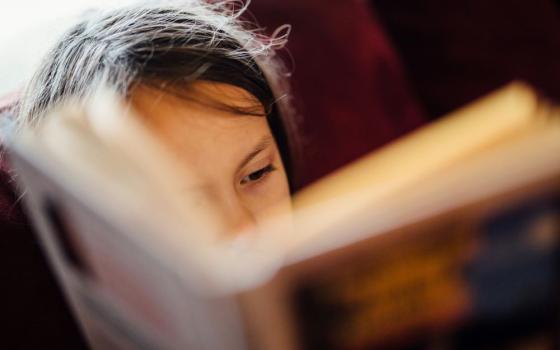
[[446, 238]]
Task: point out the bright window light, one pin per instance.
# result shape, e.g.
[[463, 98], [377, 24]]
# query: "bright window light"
[[29, 27]]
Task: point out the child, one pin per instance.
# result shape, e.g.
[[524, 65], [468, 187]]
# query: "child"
[[204, 83]]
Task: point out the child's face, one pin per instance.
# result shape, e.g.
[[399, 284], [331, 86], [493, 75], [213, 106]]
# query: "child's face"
[[233, 157]]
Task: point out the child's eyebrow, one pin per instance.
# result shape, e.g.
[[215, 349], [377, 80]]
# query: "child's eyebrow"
[[263, 143]]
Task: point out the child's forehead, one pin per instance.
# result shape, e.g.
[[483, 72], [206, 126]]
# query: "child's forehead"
[[196, 129], [201, 107], [198, 95]]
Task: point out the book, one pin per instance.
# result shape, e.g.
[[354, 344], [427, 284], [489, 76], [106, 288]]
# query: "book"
[[446, 238]]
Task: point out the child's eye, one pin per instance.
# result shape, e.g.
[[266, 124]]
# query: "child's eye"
[[257, 175]]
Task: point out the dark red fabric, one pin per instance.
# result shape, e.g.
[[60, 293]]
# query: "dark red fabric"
[[455, 51], [348, 81]]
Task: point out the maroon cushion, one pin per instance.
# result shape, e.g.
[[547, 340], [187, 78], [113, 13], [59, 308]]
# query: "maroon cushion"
[[348, 81], [455, 51]]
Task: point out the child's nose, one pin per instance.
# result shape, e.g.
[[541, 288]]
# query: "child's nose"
[[237, 217]]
